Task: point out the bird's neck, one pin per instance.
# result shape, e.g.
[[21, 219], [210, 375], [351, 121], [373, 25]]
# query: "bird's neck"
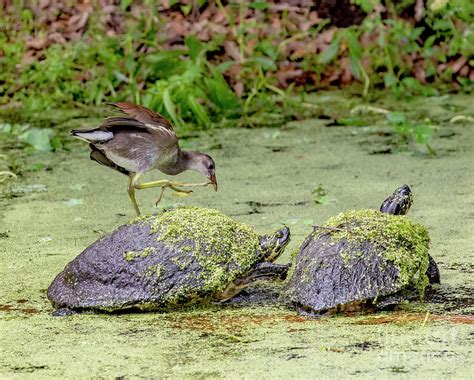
[[187, 161]]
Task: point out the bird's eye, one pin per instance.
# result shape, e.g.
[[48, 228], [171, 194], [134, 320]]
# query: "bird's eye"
[[211, 166]]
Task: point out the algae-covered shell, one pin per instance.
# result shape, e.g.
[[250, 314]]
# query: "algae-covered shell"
[[358, 259], [173, 258]]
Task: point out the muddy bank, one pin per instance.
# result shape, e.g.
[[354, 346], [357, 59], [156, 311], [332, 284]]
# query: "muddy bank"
[[266, 179]]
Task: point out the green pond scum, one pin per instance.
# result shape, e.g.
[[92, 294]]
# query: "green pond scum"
[[40, 234]]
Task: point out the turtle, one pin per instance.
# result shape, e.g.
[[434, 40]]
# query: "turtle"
[[361, 260], [182, 256]]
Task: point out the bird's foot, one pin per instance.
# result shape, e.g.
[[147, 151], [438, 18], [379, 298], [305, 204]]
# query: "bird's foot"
[[163, 184], [188, 184], [172, 186]]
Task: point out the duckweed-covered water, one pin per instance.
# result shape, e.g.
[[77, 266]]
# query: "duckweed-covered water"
[[266, 179]]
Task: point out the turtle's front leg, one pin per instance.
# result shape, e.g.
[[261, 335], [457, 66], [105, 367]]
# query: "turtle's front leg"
[[265, 271]]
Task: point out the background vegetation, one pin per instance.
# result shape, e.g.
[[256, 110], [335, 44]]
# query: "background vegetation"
[[207, 64], [229, 63]]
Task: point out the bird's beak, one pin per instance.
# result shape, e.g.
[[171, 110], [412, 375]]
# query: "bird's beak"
[[213, 181]]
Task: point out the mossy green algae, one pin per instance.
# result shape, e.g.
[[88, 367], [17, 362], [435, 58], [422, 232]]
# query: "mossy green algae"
[[224, 249], [132, 255], [399, 240]]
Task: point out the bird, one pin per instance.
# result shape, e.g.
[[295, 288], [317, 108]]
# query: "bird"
[[140, 140]]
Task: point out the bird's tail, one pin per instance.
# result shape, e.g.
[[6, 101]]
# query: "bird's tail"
[[92, 135]]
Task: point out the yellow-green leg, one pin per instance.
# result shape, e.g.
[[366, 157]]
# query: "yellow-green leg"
[[131, 193], [164, 183], [177, 189]]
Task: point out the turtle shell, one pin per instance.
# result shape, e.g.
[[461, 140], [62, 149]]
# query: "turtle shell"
[[173, 258], [356, 259]]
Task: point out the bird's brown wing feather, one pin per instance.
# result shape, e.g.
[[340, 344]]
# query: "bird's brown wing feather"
[[110, 122], [166, 138], [116, 122], [143, 114]]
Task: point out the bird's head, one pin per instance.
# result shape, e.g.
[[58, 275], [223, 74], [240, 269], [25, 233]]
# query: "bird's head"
[[205, 165]]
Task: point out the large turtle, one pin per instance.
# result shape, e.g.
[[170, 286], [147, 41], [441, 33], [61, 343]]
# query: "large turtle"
[[364, 258], [177, 257]]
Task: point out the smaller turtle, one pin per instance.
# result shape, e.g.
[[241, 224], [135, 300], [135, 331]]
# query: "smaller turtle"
[[363, 259], [179, 257]]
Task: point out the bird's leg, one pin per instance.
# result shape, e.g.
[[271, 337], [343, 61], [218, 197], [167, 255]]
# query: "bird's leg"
[[161, 195], [177, 189], [164, 183], [131, 193]]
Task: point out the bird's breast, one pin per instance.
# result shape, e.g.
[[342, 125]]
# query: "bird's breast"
[[167, 162]]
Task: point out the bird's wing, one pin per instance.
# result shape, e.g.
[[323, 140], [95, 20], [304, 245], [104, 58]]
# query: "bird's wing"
[[112, 125], [144, 115], [102, 159], [138, 121]]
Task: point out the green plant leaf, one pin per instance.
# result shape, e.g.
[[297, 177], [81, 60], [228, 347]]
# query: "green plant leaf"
[[355, 49], [170, 107], [186, 9], [39, 139], [124, 4], [330, 53], [404, 130], [222, 67], [396, 118], [198, 110], [320, 196], [355, 66], [324, 200], [422, 134], [56, 142], [221, 94], [389, 80], [166, 63], [259, 5], [265, 63], [366, 5], [195, 47]]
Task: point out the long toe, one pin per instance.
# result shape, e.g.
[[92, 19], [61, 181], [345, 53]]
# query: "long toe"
[[182, 195], [161, 195]]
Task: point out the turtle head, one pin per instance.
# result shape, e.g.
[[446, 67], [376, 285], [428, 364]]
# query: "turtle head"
[[274, 244], [399, 202], [271, 246]]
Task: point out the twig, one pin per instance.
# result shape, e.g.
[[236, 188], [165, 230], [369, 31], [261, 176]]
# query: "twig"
[[275, 89], [426, 318], [461, 118], [366, 109], [366, 80], [310, 105], [419, 10]]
